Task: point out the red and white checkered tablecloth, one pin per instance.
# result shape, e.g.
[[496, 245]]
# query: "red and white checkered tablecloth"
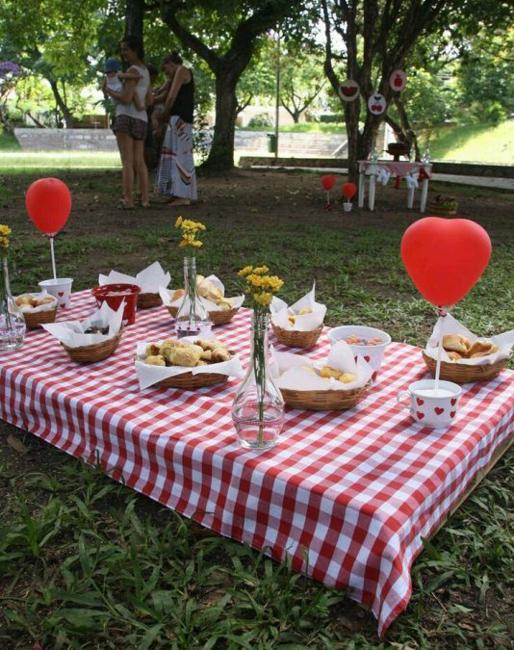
[[348, 496]]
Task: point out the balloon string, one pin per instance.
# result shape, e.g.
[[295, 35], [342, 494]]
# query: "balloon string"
[[328, 197], [442, 314], [53, 257]]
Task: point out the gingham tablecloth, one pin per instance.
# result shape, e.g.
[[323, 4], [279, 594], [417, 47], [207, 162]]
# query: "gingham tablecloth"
[[348, 496]]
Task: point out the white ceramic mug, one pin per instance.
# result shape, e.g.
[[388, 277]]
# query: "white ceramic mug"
[[429, 407], [347, 206], [60, 288]]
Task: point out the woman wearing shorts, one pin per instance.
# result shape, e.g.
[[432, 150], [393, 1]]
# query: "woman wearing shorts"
[[130, 124]]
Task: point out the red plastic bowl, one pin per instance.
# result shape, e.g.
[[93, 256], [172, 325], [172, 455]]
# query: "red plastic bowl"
[[114, 294]]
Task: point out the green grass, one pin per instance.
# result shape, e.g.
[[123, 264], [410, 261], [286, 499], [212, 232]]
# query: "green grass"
[[303, 127], [86, 563], [475, 143], [21, 162]]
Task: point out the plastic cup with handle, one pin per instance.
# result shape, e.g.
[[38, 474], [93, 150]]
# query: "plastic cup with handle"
[[60, 288], [430, 407]]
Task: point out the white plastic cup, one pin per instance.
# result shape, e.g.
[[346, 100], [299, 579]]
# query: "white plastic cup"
[[347, 206], [429, 407], [60, 288], [372, 354]]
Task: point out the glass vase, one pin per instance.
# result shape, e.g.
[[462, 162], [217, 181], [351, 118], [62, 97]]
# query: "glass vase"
[[258, 408], [192, 318], [12, 322]]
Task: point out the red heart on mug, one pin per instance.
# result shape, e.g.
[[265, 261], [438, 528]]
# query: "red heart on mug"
[[438, 410], [60, 294], [367, 359], [420, 415], [452, 414], [453, 401], [420, 401]]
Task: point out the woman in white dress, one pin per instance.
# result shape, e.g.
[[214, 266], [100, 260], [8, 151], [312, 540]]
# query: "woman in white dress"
[[130, 123]]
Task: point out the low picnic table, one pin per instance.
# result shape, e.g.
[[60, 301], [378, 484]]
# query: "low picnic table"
[[371, 168], [349, 496]]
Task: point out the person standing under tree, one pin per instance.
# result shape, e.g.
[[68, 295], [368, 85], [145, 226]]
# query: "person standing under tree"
[[176, 176], [130, 124]]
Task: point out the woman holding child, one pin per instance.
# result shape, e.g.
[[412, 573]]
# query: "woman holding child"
[[131, 120], [176, 176]]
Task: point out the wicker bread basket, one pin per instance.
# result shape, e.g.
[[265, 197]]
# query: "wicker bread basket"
[[296, 338], [323, 400], [33, 320], [148, 300], [188, 381], [217, 317], [461, 373], [95, 352]]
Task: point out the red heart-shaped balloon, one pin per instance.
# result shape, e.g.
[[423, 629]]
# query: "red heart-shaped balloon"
[[445, 257]]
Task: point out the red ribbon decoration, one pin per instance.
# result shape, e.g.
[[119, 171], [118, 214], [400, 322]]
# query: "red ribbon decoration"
[[423, 174], [397, 182]]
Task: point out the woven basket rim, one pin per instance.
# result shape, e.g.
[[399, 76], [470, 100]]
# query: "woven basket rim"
[[93, 346]]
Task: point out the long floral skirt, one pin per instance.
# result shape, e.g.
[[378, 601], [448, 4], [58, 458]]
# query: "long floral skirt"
[[176, 175]]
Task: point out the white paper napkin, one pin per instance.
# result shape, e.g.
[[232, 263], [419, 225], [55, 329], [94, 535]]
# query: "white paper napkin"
[[148, 280], [296, 372], [236, 301], [280, 313], [504, 341], [148, 375], [48, 306], [71, 333]]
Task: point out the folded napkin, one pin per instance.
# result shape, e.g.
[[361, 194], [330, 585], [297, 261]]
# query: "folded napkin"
[[71, 333], [148, 375], [148, 280], [504, 342], [296, 372], [280, 313], [210, 305]]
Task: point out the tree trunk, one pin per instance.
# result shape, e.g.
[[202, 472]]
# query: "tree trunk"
[[61, 104], [134, 18], [221, 155]]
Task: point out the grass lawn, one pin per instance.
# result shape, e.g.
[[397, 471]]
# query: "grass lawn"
[[87, 563], [476, 142]]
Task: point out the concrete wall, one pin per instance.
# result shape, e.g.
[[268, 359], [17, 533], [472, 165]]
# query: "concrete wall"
[[66, 139]]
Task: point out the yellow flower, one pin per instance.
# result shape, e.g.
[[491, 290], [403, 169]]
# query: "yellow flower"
[[273, 282], [178, 222], [263, 298], [196, 243], [260, 270], [245, 271], [5, 230]]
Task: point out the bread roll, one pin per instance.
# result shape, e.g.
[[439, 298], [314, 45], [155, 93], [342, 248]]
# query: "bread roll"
[[457, 343], [482, 349]]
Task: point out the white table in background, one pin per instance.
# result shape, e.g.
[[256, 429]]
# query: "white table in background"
[[400, 168]]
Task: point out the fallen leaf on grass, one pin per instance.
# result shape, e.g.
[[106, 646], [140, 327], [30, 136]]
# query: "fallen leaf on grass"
[[17, 444]]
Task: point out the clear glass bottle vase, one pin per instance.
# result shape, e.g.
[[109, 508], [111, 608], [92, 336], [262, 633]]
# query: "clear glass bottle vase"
[[258, 408], [12, 322], [192, 318]]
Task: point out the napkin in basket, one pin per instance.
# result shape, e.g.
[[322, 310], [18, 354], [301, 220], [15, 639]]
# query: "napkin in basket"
[[451, 325], [295, 372], [47, 306], [148, 375], [148, 280], [72, 335], [209, 305], [280, 313]]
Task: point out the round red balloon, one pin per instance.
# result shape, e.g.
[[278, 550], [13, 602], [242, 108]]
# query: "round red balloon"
[[445, 257], [328, 181], [48, 203], [349, 190]]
